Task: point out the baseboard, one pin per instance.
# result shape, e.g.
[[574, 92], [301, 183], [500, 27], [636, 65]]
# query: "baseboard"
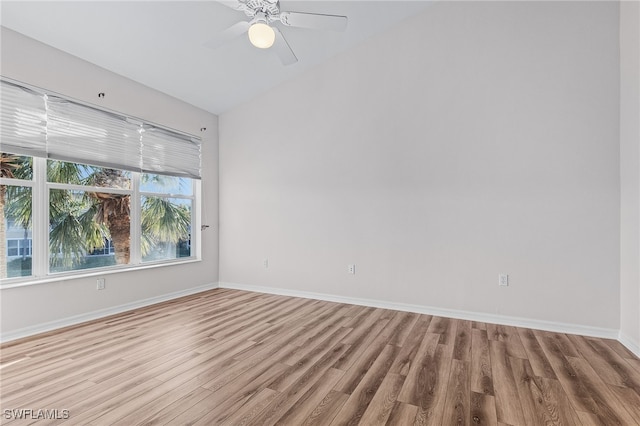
[[629, 343], [90, 316], [430, 310]]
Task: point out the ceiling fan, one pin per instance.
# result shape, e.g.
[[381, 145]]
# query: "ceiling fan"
[[262, 34]]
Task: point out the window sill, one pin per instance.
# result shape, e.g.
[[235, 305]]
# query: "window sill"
[[30, 281]]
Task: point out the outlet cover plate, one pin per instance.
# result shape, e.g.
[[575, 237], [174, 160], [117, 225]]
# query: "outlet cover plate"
[[503, 280]]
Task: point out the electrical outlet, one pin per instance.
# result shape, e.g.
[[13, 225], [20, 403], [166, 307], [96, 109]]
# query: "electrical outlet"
[[503, 280], [265, 263], [351, 269], [100, 284]]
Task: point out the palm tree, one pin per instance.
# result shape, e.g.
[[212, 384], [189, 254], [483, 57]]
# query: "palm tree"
[[13, 166], [106, 216], [163, 221], [8, 164], [81, 221], [113, 210]]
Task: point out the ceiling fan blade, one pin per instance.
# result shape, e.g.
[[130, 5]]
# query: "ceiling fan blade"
[[227, 35], [283, 50], [314, 20]]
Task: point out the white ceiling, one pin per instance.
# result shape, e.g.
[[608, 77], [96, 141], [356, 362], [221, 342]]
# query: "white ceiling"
[[160, 43]]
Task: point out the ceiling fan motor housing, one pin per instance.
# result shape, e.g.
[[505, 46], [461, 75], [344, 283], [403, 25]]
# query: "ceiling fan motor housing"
[[268, 7]]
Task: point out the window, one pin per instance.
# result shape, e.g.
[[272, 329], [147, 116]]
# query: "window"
[[166, 217], [88, 205], [17, 248], [12, 248], [90, 216], [106, 250], [83, 188], [15, 229], [24, 247]]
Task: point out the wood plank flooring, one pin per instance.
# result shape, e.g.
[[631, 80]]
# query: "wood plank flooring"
[[227, 357]]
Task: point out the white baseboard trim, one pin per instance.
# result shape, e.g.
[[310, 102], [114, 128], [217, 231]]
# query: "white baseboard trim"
[[629, 343], [90, 316], [583, 330]]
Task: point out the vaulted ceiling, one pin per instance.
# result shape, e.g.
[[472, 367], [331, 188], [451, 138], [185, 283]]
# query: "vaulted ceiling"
[[161, 43]]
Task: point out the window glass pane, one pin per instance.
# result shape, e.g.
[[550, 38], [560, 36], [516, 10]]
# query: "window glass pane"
[[16, 166], [166, 228], [15, 231], [82, 174], [82, 223], [166, 184], [92, 229]]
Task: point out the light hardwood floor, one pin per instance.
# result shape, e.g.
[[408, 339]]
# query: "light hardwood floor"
[[235, 357]]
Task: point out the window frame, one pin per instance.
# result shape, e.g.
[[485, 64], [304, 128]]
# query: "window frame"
[[194, 227], [40, 190]]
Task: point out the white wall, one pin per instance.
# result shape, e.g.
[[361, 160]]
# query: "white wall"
[[474, 139], [37, 307], [630, 173]]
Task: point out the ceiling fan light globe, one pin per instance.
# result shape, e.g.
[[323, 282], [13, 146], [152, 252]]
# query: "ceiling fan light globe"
[[261, 35]]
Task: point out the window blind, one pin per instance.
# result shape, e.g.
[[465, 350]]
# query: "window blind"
[[46, 125], [23, 119], [172, 158], [81, 134]]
